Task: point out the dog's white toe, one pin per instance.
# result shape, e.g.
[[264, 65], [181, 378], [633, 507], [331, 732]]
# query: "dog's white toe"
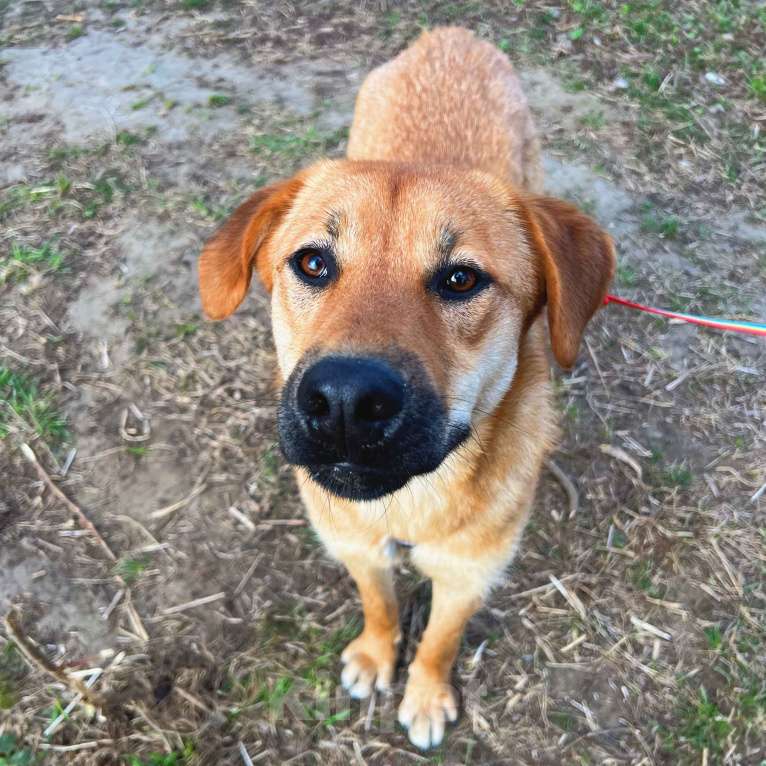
[[425, 709]]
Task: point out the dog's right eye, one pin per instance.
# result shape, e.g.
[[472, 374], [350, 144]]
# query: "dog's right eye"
[[313, 265]]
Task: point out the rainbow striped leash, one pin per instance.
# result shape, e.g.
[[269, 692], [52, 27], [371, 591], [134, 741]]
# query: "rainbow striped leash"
[[751, 328]]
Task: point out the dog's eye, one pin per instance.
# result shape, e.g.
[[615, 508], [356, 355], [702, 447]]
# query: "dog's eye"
[[313, 265], [461, 280]]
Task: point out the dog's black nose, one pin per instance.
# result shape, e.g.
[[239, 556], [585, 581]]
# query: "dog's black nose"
[[351, 402]]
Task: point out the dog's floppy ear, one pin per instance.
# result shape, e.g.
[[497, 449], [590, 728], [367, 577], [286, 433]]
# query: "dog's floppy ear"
[[228, 258], [577, 263]]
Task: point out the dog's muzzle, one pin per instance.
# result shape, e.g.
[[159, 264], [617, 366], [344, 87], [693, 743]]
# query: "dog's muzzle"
[[363, 426]]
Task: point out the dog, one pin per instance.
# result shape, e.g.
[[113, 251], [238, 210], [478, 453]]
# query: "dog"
[[410, 287]]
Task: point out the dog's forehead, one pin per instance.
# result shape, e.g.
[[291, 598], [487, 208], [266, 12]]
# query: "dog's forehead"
[[373, 202]]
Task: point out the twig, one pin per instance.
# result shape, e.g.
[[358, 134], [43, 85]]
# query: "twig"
[[246, 759], [570, 597], [619, 454], [598, 368], [37, 659], [568, 485], [90, 527], [168, 509], [85, 522], [241, 518], [97, 673], [754, 499], [649, 628], [196, 602], [79, 746]]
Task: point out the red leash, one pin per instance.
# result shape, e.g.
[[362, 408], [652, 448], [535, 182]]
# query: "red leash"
[[751, 328]]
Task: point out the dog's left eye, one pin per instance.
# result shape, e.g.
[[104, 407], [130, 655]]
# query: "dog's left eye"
[[313, 265], [459, 282]]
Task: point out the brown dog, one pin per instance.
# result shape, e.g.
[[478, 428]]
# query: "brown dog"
[[408, 285]]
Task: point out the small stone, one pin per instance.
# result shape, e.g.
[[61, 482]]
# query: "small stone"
[[715, 79], [620, 83]]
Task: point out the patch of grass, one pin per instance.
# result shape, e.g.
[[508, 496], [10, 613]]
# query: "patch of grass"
[[626, 275], [703, 725], [269, 463], [142, 103], [677, 475], [565, 721], [74, 32], [186, 329], [12, 754], [654, 222], [137, 450], [12, 672], [130, 569], [217, 100], [126, 138], [714, 637], [21, 402], [23, 260], [213, 212], [102, 192], [194, 5], [274, 695], [297, 144], [61, 154], [23, 195]]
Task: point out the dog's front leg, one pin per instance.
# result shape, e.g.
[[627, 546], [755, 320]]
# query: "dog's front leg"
[[429, 699], [369, 659]]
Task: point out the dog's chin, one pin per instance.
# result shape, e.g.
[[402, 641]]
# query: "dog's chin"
[[357, 482], [352, 481]]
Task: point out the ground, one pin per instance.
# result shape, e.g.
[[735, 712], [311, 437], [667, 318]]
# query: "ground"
[[632, 626]]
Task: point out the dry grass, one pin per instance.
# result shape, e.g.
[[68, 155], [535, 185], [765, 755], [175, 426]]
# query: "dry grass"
[[632, 627]]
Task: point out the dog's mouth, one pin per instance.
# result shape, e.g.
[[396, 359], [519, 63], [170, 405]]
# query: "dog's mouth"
[[362, 426], [357, 482]]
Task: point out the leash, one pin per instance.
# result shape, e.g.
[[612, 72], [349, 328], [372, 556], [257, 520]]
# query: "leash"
[[751, 328]]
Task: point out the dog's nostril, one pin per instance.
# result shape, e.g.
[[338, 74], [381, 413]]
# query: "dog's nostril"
[[317, 404], [377, 406]]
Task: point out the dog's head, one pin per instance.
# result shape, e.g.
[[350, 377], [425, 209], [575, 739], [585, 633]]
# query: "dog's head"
[[400, 296]]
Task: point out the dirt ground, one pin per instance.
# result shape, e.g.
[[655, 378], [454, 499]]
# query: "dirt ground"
[[127, 131]]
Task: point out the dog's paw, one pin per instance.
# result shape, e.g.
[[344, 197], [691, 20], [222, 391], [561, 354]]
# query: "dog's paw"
[[368, 662], [427, 705]]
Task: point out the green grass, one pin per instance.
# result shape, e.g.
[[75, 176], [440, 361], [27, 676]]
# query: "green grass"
[[663, 50], [130, 569], [126, 138], [23, 260], [677, 475], [12, 672], [12, 754], [714, 637], [74, 32], [703, 725], [21, 402], [655, 222], [217, 100], [186, 329], [297, 143], [626, 275], [214, 212], [24, 195], [143, 102]]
